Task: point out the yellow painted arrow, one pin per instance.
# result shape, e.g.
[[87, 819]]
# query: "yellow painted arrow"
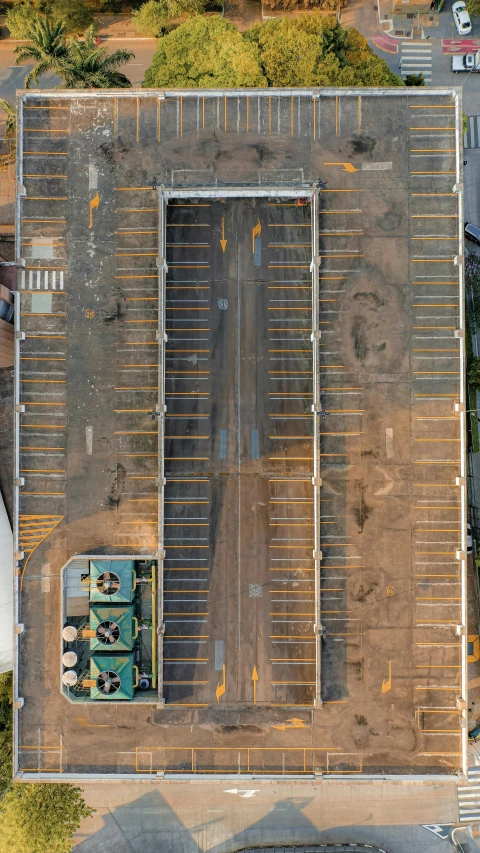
[[256, 231], [221, 687], [387, 682], [254, 679], [223, 242], [93, 206], [347, 167], [293, 723]]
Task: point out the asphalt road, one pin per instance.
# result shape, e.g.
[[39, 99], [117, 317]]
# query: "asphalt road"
[[12, 77]]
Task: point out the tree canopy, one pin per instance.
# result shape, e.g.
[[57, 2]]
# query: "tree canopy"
[[205, 52], [40, 818], [310, 50], [88, 66], [153, 17], [19, 18], [74, 15], [314, 50], [47, 47], [473, 7]]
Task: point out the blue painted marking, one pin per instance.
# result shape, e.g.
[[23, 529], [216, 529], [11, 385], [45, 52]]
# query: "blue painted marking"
[[257, 251], [223, 446], [255, 449]]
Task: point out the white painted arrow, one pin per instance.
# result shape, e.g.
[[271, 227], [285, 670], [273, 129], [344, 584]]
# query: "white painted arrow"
[[242, 793]]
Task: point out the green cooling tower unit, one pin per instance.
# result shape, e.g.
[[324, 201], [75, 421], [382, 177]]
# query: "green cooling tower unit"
[[115, 676], [112, 581], [116, 628]]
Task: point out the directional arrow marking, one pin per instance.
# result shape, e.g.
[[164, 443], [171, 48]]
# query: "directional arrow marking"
[[221, 687], [347, 167], [246, 794], [254, 679], [223, 242], [93, 206]]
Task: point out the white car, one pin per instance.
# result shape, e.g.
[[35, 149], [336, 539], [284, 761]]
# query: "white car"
[[461, 18]]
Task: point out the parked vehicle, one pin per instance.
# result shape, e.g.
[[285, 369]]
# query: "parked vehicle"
[[461, 18], [469, 62], [472, 232], [6, 311], [469, 540]]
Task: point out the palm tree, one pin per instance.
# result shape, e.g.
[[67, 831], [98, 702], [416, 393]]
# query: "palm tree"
[[48, 49], [11, 123], [91, 67]]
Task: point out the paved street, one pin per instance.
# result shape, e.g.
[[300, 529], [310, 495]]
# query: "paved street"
[[225, 816]]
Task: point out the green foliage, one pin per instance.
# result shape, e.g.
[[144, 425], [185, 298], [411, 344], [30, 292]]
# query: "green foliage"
[[48, 48], [313, 50], [6, 699], [472, 282], [81, 64], [473, 7], [152, 18], [474, 373], [88, 66], [205, 53], [10, 126], [300, 5], [414, 80], [74, 14], [464, 123], [40, 818], [19, 18]]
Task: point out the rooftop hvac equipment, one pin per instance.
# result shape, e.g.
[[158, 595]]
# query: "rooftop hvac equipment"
[[69, 633], [116, 628], [112, 581], [69, 659], [115, 676], [69, 678]]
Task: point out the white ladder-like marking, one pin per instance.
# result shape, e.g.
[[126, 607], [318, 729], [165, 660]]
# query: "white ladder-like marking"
[[469, 798], [416, 58]]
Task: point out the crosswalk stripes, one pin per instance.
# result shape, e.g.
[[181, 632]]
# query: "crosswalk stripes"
[[471, 139], [469, 798], [416, 58]]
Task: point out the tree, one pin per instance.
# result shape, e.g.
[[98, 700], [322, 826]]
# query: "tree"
[[205, 53], [19, 18], [74, 14], [474, 373], [473, 7], [152, 18], [48, 48], [414, 80], [313, 50], [88, 66], [10, 127], [40, 818], [6, 700]]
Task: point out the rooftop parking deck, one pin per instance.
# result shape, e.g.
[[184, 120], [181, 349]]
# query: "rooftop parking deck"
[[240, 355]]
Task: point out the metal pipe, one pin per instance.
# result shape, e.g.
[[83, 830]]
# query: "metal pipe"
[[162, 337], [316, 481], [462, 424]]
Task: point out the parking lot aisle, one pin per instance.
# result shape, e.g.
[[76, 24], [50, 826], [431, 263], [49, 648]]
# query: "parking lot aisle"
[[136, 390], [341, 240], [43, 293], [435, 433], [290, 454], [187, 455]]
